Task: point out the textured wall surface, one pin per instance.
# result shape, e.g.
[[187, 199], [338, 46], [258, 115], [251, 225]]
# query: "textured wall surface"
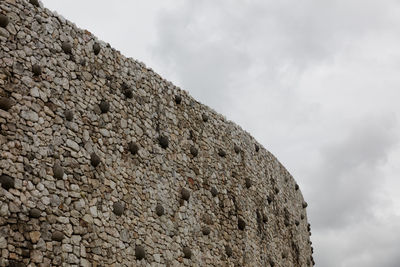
[[105, 163]]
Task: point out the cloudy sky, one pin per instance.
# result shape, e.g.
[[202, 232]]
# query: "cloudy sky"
[[316, 82]]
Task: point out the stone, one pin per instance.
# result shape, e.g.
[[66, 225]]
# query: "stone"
[[133, 148], [221, 153], [35, 2], [163, 141], [248, 183], [187, 253], [66, 47], [257, 148], [194, 151], [237, 149], [185, 194], [140, 253], [104, 106], [204, 117], [206, 230], [305, 205], [5, 103], [178, 99], [228, 251], [96, 48], [69, 115], [3, 20], [296, 187], [241, 224], [7, 182], [58, 171], [118, 208], [127, 91], [34, 213], [159, 210], [57, 236], [37, 70], [35, 236], [94, 160], [214, 191]]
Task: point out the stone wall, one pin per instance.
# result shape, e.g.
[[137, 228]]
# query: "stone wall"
[[105, 163]]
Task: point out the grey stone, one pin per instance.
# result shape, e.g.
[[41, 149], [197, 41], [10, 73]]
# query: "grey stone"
[[118, 208], [163, 141], [94, 160], [237, 149], [3, 20], [35, 2], [187, 253], [159, 210], [5, 103], [69, 115], [241, 224], [206, 230], [248, 183], [178, 99], [66, 47], [58, 171], [221, 152], [57, 236], [36, 69], [185, 194], [228, 251], [204, 117], [194, 151], [104, 106], [133, 148], [214, 191], [7, 182], [34, 213], [96, 48], [140, 252]]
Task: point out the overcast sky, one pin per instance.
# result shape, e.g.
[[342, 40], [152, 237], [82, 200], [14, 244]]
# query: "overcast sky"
[[316, 82]]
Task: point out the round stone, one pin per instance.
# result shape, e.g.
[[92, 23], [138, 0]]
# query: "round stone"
[[206, 230], [159, 210], [187, 253], [248, 182], [4, 21], [6, 181], [228, 251], [118, 209], [34, 213], [214, 191], [5, 103], [194, 151], [133, 148], [57, 236], [296, 187], [104, 106], [66, 47], [69, 115], [221, 152], [96, 48], [34, 2], [185, 194], [163, 141], [58, 171], [204, 117], [94, 160], [140, 253], [305, 205], [36, 69], [241, 224], [178, 99], [127, 92], [237, 149]]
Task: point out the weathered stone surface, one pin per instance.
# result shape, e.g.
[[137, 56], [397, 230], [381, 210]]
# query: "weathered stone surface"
[[54, 116], [7, 182], [140, 252]]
